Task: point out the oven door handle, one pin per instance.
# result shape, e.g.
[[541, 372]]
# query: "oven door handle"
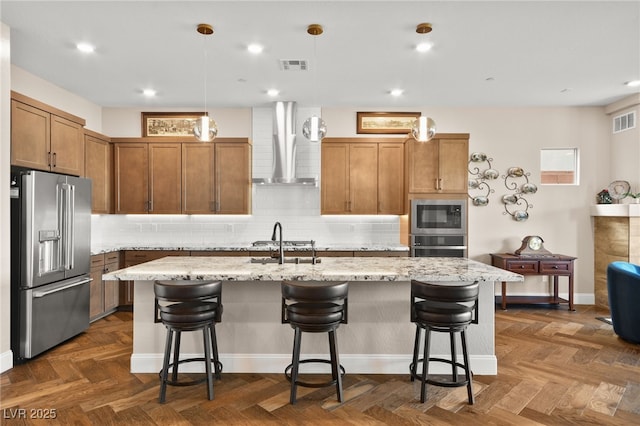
[[38, 294], [440, 247]]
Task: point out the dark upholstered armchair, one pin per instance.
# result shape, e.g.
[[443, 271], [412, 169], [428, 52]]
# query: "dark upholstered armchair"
[[623, 285]]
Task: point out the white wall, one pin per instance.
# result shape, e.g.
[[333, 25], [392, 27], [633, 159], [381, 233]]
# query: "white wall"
[[6, 357], [625, 145], [514, 137], [30, 85]]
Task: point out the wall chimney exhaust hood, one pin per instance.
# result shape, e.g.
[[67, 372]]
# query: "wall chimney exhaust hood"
[[284, 149]]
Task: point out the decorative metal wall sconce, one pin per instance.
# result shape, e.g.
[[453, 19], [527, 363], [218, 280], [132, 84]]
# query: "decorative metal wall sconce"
[[515, 204], [480, 172]]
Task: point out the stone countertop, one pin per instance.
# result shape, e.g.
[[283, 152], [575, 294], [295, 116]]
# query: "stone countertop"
[[247, 247], [620, 210], [227, 268]]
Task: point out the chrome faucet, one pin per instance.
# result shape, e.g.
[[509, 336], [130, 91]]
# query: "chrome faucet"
[[273, 238]]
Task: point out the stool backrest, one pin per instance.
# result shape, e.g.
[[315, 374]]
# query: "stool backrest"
[[179, 291], [446, 293], [315, 292]]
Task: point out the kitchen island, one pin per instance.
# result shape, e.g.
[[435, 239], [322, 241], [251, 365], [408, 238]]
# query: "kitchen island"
[[378, 338]]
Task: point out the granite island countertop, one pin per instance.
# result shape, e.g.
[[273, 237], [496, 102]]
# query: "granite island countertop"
[[399, 269], [248, 247]]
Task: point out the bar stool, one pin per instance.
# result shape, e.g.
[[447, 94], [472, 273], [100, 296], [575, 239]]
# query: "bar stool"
[[188, 305], [314, 307], [445, 308]]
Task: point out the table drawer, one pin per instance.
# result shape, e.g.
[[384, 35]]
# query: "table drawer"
[[550, 267], [523, 266]]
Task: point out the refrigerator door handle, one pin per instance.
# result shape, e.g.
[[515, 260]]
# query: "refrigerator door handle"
[[38, 294], [68, 223]]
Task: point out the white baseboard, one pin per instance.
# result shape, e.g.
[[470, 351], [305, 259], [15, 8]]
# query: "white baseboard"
[[6, 361], [485, 365]]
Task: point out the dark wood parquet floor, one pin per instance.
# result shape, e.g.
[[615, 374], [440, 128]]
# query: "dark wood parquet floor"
[[554, 368]]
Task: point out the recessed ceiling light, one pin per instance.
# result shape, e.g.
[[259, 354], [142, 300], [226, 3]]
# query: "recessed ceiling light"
[[255, 48], [273, 92], [424, 47], [396, 92], [633, 83], [149, 92], [85, 47]]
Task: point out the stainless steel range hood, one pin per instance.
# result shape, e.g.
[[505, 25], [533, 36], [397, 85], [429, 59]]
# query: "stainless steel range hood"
[[284, 148]]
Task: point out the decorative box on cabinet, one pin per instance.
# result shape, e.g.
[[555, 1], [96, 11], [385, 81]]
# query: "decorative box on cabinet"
[[439, 166], [45, 138]]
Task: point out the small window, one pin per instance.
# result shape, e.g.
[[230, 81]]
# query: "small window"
[[559, 166]]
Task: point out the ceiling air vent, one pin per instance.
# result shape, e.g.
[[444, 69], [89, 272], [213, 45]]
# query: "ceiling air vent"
[[293, 65], [624, 122]]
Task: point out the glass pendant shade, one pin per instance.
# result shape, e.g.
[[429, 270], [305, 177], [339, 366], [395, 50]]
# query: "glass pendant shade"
[[423, 129], [205, 129], [314, 128]]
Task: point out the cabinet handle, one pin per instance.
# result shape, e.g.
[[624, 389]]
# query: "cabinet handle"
[[150, 206], [521, 266], [554, 267], [49, 158], [436, 184], [54, 160]]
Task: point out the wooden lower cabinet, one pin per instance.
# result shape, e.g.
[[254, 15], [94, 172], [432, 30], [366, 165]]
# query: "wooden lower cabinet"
[[103, 295], [136, 257]]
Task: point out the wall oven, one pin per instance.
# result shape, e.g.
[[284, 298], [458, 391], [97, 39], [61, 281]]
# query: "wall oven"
[[439, 228]]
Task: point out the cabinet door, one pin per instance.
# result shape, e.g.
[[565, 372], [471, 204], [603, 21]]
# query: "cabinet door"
[[131, 178], [111, 288], [96, 296], [423, 166], [165, 175], [363, 178], [30, 136], [334, 178], [197, 178], [232, 178], [453, 163], [391, 178], [67, 146], [99, 168]]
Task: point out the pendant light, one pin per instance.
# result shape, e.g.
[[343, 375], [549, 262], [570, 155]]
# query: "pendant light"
[[314, 128], [424, 128], [205, 128]]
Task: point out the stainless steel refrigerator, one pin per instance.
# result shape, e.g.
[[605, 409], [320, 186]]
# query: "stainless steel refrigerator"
[[50, 257]]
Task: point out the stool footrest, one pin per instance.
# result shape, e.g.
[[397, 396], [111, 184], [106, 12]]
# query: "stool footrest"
[[448, 384], [189, 382], [287, 373]]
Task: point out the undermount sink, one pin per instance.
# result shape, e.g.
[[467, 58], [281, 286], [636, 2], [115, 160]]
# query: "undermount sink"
[[265, 260]]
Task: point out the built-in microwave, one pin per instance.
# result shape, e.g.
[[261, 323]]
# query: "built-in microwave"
[[439, 217]]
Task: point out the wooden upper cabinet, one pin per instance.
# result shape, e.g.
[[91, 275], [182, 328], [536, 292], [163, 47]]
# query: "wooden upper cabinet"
[[335, 178], [165, 176], [45, 138], [182, 177], [439, 165], [131, 178], [391, 193], [67, 146], [232, 178], [98, 166], [198, 178], [363, 178]]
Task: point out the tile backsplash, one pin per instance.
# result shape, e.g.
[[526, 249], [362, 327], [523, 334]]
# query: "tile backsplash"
[[297, 208]]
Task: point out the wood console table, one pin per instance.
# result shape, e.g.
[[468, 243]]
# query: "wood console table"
[[555, 266]]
